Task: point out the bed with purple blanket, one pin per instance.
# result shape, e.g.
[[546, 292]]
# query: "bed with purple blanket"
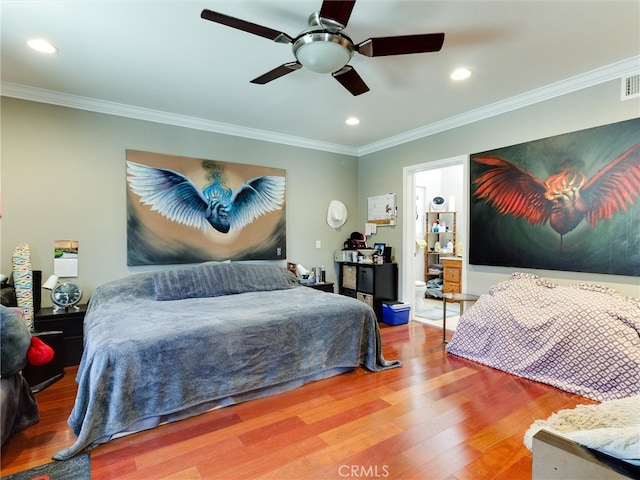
[[162, 346], [581, 338]]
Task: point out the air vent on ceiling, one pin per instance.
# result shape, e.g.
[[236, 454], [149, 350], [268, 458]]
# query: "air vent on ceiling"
[[630, 87]]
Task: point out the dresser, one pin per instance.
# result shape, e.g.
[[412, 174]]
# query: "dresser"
[[452, 275]]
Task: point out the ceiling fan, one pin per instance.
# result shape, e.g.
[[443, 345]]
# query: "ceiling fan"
[[324, 48]]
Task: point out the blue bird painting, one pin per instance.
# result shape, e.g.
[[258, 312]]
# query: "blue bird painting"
[[175, 197]]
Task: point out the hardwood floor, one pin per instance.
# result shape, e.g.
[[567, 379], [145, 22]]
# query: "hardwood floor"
[[437, 417]]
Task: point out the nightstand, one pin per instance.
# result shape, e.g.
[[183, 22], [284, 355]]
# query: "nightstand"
[[42, 376], [70, 323], [325, 287]]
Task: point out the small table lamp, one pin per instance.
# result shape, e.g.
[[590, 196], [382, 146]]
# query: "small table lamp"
[[51, 282]]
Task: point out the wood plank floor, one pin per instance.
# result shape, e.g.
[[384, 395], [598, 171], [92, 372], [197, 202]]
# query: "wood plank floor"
[[437, 417]]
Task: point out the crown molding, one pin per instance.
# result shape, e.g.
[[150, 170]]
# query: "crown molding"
[[24, 92], [595, 77], [604, 74]]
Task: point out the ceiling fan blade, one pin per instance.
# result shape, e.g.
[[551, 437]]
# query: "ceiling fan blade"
[[337, 11], [245, 26], [350, 80], [277, 72], [401, 45]]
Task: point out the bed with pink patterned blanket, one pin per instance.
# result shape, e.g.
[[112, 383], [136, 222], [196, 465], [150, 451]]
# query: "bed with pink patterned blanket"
[[581, 338]]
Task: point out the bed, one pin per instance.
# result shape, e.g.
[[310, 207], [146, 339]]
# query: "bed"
[[580, 338], [162, 346]]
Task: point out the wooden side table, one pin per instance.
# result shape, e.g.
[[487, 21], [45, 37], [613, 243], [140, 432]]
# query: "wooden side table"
[[459, 298]]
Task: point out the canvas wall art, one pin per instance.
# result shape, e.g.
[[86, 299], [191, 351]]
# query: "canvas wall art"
[[189, 210], [569, 202]]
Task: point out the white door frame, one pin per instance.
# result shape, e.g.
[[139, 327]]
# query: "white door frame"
[[407, 283]]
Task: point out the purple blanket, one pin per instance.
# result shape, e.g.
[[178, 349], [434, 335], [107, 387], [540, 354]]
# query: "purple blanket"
[[581, 338]]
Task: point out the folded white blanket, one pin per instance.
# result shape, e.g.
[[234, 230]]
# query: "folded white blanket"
[[611, 427]]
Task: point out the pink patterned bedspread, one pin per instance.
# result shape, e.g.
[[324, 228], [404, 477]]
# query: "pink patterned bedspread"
[[581, 338]]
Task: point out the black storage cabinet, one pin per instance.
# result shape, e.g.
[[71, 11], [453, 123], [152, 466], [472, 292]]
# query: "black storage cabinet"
[[370, 283]]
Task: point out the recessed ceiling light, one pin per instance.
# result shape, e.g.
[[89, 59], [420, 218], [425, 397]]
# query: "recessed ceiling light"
[[460, 74], [352, 121], [42, 46]]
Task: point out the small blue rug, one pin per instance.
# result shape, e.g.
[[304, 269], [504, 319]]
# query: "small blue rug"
[[76, 468]]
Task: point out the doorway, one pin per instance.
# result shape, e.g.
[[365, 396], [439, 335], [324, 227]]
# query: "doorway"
[[445, 178]]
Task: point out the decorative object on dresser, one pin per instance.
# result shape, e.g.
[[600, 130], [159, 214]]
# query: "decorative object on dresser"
[[367, 254], [369, 283], [355, 241], [316, 277]]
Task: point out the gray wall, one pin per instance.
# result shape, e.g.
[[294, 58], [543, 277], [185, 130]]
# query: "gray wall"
[[63, 177], [382, 171]]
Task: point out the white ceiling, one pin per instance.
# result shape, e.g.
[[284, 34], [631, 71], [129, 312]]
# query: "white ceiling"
[[159, 60]]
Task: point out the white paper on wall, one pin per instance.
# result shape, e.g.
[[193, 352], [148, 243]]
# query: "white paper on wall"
[[65, 258]]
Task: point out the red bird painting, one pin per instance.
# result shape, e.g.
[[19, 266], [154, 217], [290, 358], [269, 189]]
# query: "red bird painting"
[[565, 198]]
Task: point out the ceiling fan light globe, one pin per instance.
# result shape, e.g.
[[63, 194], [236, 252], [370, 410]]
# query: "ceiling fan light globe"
[[42, 46], [323, 52]]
